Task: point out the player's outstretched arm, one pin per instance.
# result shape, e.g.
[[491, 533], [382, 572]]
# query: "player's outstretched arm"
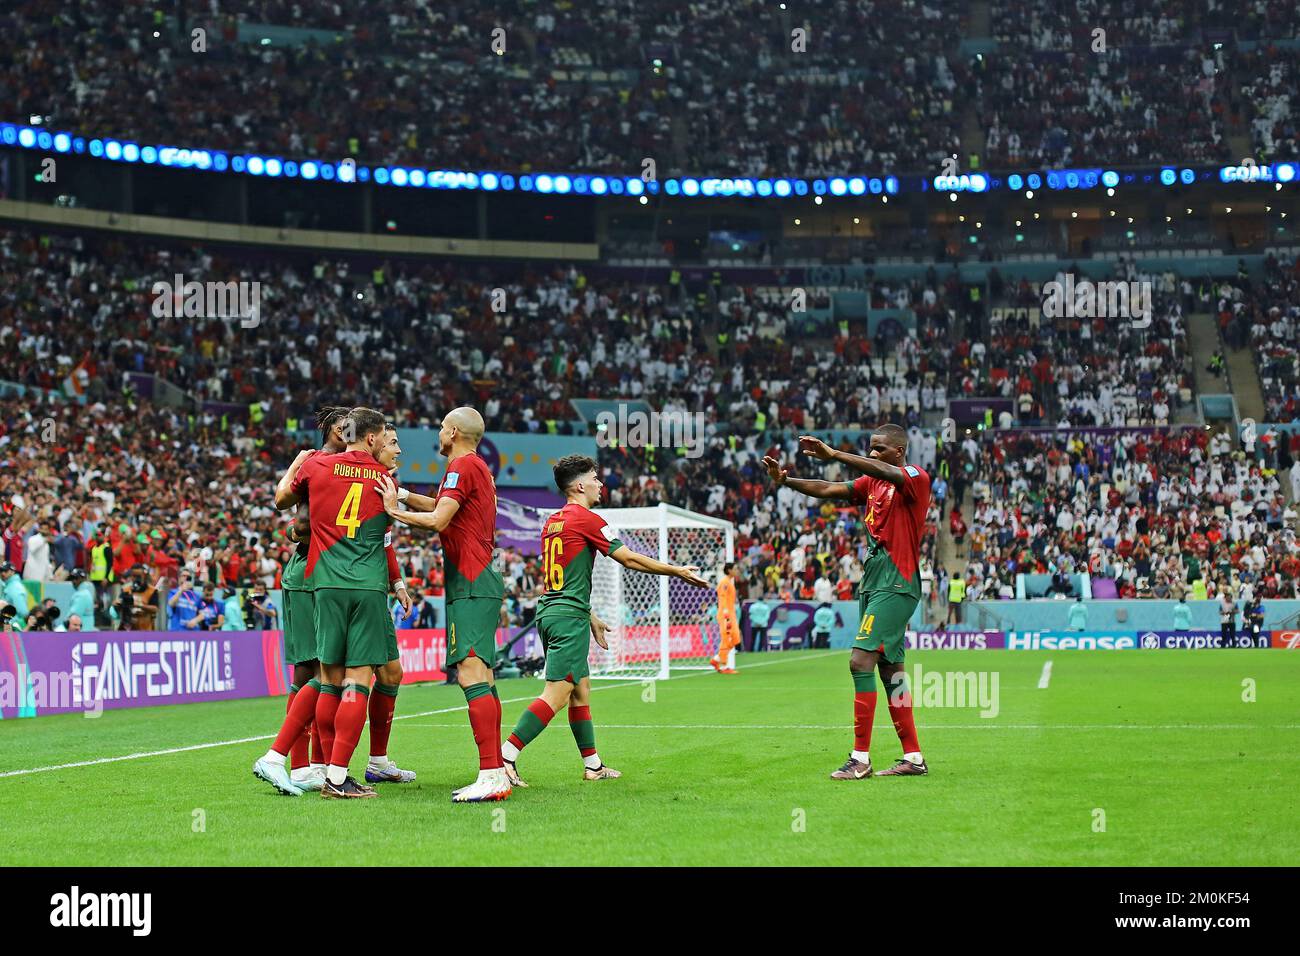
[[816, 448], [435, 520], [812, 487], [284, 498], [639, 562]]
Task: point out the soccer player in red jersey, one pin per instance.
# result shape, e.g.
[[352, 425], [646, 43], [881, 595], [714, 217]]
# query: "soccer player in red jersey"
[[350, 566], [465, 517], [571, 539], [896, 496]]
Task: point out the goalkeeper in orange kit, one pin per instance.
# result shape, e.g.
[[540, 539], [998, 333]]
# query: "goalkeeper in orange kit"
[[724, 662]]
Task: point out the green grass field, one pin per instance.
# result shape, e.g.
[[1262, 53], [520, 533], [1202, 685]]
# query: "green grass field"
[[718, 771]]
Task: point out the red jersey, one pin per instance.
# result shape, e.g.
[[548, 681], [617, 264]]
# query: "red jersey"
[[468, 542], [895, 515]]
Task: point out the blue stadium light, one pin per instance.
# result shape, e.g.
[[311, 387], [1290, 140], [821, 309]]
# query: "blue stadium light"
[[877, 187], [581, 184], [131, 152], [44, 140], [635, 187], [783, 187], [1089, 180], [381, 175], [1034, 181], [238, 164], [1053, 181], [220, 162], [418, 178], [148, 154], [891, 185], [1072, 180], [309, 170], [526, 183], [563, 184], [671, 187], [62, 143], [800, 187], [690, 187], [599, 186], [819, 187], [113, 150], [544, 183], [710, 187], [653, 187], [1110, 179], [838, 187], [1285, 172], [78, 144], [398, 176], [290, 168], [256, 165], [8, 134], [1015, 182], [764, 187], [327, 171], [857, 185], [96, 148], [1187, 176], [363, 174], [27, 137], [1168, 177]]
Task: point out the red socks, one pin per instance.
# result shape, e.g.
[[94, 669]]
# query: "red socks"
[[298, 753], [327, 706], [383, 701], [485, 722], [900, 710], [349, 720], [864, 710], [297, 719]]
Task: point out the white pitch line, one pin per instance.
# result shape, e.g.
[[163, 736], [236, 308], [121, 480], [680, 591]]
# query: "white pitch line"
[[932, 728], [249, 740], [1046, 676]]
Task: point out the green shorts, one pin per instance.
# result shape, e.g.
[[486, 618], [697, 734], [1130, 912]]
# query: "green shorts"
[[299, 627], [354, 628], [882, 623], [472, 629], [567, 640]]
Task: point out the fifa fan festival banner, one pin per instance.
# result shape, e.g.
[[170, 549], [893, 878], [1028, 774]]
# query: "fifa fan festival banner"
[[57, 673], [423, 651]]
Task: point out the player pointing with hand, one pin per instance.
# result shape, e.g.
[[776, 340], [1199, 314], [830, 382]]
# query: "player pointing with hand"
[[896, 496]]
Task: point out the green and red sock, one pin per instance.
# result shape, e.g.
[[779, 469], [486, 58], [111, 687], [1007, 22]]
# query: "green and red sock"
[[531, 723], [584, 732], [382, 705], [298, 751]]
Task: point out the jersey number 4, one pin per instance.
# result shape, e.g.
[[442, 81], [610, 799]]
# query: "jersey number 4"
[[552, 570], [350, 510]]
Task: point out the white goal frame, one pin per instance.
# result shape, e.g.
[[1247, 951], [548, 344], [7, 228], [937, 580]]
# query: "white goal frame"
[[638, 527]]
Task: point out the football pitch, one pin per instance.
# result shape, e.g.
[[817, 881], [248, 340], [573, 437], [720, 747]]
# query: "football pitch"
[[1104, 758]]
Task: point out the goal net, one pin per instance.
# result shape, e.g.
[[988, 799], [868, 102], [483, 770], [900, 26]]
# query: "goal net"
[[659, 624]]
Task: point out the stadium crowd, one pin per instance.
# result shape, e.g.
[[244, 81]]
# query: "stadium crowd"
[[873, 87]]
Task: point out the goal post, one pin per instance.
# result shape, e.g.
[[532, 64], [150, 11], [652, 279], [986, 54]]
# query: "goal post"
[[659, 624]]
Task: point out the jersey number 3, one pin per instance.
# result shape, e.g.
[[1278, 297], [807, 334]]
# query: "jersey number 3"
[[350, 510]]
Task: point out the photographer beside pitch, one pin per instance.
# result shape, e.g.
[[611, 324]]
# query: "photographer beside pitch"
[[896, 496]]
